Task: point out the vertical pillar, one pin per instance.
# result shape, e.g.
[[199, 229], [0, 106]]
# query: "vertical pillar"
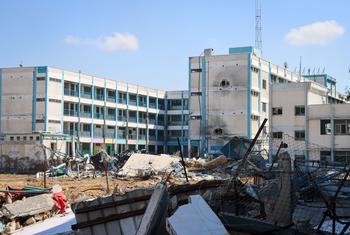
[[92, 117], [34, 99]]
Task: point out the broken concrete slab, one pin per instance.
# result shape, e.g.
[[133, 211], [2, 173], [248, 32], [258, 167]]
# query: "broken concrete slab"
[[196, 217], [28, 206], [216, 162], [138, 164]]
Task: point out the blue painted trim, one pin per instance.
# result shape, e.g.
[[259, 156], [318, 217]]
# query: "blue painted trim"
[[182, 115], [34, 101], [203, 108], [62, 99], [1, 100], [236, 50], [46, 99], [249, 99], [189, 105], [259, 97], [92, 116]]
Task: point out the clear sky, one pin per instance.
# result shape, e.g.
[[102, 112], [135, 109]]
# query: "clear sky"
[[148, 42]]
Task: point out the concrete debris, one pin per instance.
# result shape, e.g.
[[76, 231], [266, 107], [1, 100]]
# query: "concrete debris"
[[216, 162], [28, 206], [196, 217], [139, 165]]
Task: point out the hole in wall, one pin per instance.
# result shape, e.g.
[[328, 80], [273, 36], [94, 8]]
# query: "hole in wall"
[[218, 131], [224, 83]]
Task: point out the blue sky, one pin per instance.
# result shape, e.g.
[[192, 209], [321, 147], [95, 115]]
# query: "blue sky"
[[149, 42]]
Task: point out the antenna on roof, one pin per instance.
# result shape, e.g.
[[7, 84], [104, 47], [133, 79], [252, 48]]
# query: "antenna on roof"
[[258, 39]]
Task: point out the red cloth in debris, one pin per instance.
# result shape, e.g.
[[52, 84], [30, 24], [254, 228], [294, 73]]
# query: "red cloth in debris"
[[60, 201]]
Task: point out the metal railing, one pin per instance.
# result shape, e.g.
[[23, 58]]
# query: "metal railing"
[[70, 112], [111, 99], [110, 117], [142, 137], [86, 95], [85, 114], [132, 119], [122, 118], [132, 136], [99, 96], [109, 135], [152, 121], [152, 105], [121, 101], [70, 92], [132, 102], [85, 133], [98, 133], [98, 115], [121, 136]]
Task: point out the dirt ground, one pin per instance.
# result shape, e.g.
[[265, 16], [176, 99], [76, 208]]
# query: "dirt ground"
[[74, 188]]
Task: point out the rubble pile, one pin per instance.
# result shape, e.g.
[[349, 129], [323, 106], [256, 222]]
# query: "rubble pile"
[[23, 207]]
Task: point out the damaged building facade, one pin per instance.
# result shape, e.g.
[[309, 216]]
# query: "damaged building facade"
[[228, 96]]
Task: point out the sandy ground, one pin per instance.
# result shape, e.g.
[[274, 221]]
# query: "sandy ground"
[[74, 188]]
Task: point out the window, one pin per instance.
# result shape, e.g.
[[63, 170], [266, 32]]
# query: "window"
[[326, 127], [273, 78], [30, 137], [255, 70], [342, 127], [196, 118], [40, 78], [55, 80], [342, 156], [196, 93], [299, 157], [277, 111], [54, 121], [299, 110], [55, 100], [24, 138], [263, 107], [254, 93], [12, 138], [39, 120], [37, 138], [277, 135], [40, 99], [196, 70], [18, 138], [264, 84], [325, 156], [299, 135], [254, 117]]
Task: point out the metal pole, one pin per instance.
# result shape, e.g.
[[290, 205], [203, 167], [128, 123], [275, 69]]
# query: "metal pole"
[[182, 158]]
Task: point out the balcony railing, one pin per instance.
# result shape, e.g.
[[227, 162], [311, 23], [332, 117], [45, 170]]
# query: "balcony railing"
[[98, 115], [175, 123], [110, 117], [142, 137], [142, 103], [175, 107], [121, 101], [109, 135], [152, 121], [132, 136], [132, 102], [70, 92], [98, 133], [85, 114], [85, 133], [86, 95], [111, 99], [122, 118], [70, 112], [121, 136], [152, 105], [99, 97], [68, 132], [152, 137], [142, 120], [161, 122], [132, 119]]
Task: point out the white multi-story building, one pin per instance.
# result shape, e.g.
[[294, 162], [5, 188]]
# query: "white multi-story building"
[[60, 107], [230, 95]]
